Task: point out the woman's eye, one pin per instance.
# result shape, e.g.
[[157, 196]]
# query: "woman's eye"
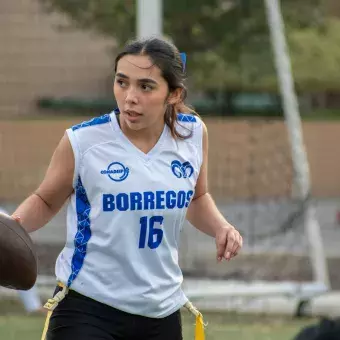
[[121, 83], [146, 87]]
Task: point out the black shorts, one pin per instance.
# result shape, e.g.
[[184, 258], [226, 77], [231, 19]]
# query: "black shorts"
[[79, 317]]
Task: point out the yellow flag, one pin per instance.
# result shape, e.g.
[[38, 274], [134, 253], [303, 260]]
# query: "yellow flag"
[[199, 331], [47, 322]]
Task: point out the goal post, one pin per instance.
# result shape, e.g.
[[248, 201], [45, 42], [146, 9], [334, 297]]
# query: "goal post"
[[293, 121], [149, 18]]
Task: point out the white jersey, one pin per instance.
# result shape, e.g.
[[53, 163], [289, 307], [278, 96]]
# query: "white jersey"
[[125, 216]]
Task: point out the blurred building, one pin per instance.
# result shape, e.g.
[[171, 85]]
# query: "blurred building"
[[39, 58]]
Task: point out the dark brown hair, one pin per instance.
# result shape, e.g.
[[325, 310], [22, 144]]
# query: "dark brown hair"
[[167, 57]]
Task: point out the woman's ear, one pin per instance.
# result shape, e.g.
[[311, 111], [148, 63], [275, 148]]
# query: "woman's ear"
[[175, 96]]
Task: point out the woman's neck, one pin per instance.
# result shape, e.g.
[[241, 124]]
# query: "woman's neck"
[[144, 139]]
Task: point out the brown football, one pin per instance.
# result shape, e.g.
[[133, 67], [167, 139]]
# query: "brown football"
[[18, 259]]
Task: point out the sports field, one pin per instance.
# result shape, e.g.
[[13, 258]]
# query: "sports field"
[[15, 325]]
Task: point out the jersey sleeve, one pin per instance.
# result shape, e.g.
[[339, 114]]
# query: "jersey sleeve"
[[192, 126]]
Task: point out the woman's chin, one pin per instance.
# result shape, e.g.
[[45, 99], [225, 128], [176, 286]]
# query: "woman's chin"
[[133, 123]]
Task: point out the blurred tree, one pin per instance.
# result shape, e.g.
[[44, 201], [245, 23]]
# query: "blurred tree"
[[316, 56], [227, 40]]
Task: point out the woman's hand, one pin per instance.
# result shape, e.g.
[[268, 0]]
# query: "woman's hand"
[[228, 242]]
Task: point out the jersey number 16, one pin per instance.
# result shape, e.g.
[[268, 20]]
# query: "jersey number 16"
[[150, 232]]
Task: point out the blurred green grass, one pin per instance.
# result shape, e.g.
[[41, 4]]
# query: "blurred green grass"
[[15, 325]]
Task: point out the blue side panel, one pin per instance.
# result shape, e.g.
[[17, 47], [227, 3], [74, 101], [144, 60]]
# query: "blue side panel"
[[95, 121], [181, 117], [83, 234]]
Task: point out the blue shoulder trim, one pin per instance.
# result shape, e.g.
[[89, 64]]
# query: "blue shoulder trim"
[[183, 117], [94, 121]]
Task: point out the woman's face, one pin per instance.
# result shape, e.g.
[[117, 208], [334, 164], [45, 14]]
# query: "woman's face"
[[141, 92]]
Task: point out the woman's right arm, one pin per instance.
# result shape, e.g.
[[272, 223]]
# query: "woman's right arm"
[[57, 186]]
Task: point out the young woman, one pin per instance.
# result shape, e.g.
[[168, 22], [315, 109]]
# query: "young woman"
[[131, 177]]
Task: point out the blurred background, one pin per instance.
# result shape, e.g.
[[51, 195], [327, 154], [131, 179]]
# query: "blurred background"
[[56, 70]]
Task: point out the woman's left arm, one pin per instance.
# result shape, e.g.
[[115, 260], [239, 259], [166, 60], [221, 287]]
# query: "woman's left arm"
[[205, 216]]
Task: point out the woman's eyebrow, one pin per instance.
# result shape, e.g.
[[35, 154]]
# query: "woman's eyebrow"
[[141, 80]]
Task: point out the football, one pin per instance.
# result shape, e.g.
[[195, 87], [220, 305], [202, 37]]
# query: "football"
[[18, 258]]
